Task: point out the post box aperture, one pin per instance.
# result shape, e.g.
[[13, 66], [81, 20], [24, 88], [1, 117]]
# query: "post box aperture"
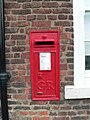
[[45, 65]]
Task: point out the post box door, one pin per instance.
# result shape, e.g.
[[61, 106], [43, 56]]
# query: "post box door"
[[45, 79]]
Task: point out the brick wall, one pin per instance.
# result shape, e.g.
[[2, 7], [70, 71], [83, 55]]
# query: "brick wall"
[[21, 16]]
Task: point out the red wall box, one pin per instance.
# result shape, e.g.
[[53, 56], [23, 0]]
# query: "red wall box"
[[45, 65]]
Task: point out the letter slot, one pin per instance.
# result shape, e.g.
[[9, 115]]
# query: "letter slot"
[[42, 43]]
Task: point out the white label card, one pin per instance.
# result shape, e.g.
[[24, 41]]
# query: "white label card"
[[45, 61]]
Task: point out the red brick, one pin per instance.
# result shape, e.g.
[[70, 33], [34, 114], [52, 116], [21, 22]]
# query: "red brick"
[[63, 72], [41, 24], [21, 72], [11, 18], [62, 17], [9, 55], [65, 35], [25, 55], [18, 37], [19, 97], [31, 5], [24, 113], [31, 17], [41, 118], [58, 11], [43, 113], [21, 17], [41, 17], [18, 61], [60, 118], [42, 11], [69, 5], [50, 4], [62, 23], [21, 12], [63, 66], [12, 5], [10, 43], [20, 24], [52, 17], [18, 49], [33, 113]]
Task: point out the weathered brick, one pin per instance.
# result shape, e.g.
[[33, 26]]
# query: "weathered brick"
[[18, 37], [18, 49], [63, 66], [59, 11], [62, 23], [71, 113], [10, 18], [17, 55], [24, 113], [41, 108], [65, 35], [21, 12], [22, 17], [24, 1], [12, 5], [33, 112], [31, 5], [63, 48], [69, 29], [7, 24], [7, 37], [21, 42], [17, 61], [81, 107], [70, 54], [80, 118], [41, 11], [14, 73], [53, 113], [19, 85], [70, 17], [66, 5], [41, 24], [10, 43], [60, 118], [20, 24], [39, 102], [50, 5], [41, 118], [41, 113], [62, 113], [21, 107], [31, 17], [62, 17], [41, 17], [9, 55], [52, 17], [7, 50], [21, 67], [11, 30], [65, 107], [12, 91], [25, 55]]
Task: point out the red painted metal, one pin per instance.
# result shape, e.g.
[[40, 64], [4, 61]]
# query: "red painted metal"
[[45, 65]]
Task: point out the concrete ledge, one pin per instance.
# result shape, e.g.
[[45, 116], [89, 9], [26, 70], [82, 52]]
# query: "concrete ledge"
[[76, 92]]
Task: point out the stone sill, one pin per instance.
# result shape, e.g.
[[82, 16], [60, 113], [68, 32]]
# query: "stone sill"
[[76, 92]]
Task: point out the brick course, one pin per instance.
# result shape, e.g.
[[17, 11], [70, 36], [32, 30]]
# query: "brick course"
[[21, 16]]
